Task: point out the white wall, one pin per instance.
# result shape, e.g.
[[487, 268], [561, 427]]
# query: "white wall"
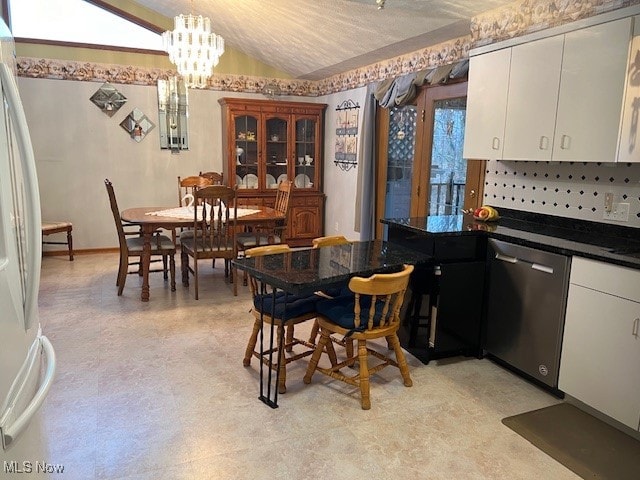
[[77, 146], [340, 186]]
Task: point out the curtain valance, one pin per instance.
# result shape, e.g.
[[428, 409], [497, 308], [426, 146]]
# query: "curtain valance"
[[402, 90]]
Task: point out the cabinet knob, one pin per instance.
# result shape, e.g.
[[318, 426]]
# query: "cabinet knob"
[[636, 322], [472, 193], [496, 143], [565, 142]]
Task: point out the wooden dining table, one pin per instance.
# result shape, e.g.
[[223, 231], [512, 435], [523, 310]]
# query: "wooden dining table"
[[149, 222]]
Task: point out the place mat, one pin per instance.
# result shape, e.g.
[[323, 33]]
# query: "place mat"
[[582, 443], [187, 212]]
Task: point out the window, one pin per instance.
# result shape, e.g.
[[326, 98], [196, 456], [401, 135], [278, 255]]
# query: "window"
[[78, 21]]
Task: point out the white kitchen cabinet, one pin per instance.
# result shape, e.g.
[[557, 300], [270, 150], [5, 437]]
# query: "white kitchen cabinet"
[[486, 105], [564, 97], [593, 75], [629, 148], [533, 99], [600, 361]]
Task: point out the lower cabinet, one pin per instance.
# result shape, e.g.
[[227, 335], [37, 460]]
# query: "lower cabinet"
[[458, 314], [306, 215], [600, 364], [444, 304]]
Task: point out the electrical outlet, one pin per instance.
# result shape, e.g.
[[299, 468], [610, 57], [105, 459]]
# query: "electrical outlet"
[[619, 212]]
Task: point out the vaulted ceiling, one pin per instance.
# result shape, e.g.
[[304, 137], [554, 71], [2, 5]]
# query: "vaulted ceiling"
[[314, 39]]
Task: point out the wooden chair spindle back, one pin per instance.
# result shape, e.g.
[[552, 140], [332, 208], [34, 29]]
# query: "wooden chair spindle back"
[[388, 288]]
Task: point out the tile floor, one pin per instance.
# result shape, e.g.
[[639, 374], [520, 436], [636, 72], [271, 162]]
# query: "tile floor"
[[157, 391]]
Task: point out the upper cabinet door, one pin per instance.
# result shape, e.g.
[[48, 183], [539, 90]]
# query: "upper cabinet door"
[[591, 92], [487, 105], [629, 149], [533, 92]]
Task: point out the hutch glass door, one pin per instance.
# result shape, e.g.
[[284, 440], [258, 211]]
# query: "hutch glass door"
[[277, 156], [246, 128]]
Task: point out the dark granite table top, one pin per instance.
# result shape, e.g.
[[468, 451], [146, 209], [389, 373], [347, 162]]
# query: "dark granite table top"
[[309, 270], [598, 241]]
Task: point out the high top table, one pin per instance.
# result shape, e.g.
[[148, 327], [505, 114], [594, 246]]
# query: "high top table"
[[306, 271]]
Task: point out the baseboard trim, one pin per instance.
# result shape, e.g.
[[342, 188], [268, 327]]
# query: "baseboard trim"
[[85, 251]]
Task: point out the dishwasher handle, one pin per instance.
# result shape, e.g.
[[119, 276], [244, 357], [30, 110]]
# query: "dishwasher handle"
[[506, 258], [542, 268], [535, 266]]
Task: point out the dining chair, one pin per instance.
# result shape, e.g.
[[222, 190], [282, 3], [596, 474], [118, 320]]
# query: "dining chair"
[[268, 236], [214, 230], [289, 310], [216, 177], [49, 228], [189, 185], [131, 245], [327, 241], [373, 312]]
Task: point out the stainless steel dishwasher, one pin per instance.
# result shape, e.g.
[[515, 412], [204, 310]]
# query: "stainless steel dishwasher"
[[526, 308]]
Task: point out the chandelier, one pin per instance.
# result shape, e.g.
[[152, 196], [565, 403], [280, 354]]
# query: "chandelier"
[[193, 49]]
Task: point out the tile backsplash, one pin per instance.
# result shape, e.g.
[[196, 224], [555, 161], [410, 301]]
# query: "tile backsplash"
[[573, 189]]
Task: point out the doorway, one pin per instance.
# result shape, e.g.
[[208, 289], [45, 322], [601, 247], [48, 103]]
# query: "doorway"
[[420, 170]]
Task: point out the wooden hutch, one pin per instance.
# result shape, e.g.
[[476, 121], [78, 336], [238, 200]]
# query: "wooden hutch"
[[267, 141]]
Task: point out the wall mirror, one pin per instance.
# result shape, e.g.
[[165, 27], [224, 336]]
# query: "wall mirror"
[[137, 124], [173, 114], [108, 99]]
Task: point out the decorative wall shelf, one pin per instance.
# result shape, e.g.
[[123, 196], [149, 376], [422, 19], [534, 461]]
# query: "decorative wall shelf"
[[346, 148]]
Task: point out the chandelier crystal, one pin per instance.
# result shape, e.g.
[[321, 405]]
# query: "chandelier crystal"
[[193, 48]]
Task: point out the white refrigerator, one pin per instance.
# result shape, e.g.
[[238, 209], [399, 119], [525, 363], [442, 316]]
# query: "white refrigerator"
[[27, 359]]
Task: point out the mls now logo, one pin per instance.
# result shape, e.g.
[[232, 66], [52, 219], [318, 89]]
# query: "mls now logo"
[[32, 467]]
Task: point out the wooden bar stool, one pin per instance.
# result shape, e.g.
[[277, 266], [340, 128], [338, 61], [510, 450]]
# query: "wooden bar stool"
[[49, 228]]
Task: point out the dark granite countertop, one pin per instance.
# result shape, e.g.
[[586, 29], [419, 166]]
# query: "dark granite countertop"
[[307, 270], [598, 241]]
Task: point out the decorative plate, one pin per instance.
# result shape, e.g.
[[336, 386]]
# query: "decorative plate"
[[251, 180], [271, 181], [302, 181], [282, 178]]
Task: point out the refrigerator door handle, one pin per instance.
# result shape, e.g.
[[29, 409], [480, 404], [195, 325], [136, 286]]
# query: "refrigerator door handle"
[[32, 198], [12, 431]]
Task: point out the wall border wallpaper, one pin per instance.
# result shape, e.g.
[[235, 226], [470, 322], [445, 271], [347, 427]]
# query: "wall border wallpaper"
[[424, 59], [528, 16], [520, 18]]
